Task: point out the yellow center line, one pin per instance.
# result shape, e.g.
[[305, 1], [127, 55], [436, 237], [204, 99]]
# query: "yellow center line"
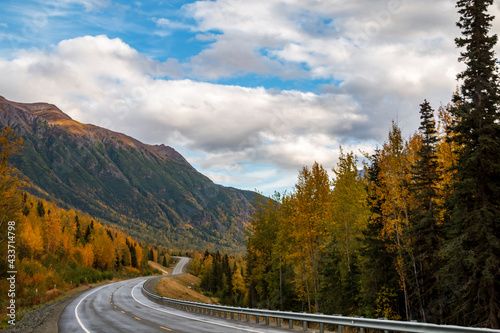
[[168, 329], [137, 318], [123, 311]]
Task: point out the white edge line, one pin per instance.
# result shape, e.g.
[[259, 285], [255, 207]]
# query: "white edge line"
[[76, 309], [188, 317]]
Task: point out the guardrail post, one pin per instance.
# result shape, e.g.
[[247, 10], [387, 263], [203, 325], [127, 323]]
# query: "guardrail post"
[[267, 321], [361, 330], [321, 328], [304, 325], [225, 314], [232, 315], [239, 315], [248, 317], [339, 329], [257, 318], [278, 322], [290, 323]]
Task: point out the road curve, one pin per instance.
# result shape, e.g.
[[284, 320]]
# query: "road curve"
[[181, 265], [121, 307]]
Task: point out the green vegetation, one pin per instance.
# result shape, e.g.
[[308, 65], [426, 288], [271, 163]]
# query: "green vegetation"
[[130, 186], [221, 276], [416, 236]]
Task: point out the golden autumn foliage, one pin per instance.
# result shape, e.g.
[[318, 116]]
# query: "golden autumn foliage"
[[301, 244], [361, 243], [66, 248], [220, 276]]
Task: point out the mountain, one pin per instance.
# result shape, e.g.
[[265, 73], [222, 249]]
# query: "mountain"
[[149, 191]]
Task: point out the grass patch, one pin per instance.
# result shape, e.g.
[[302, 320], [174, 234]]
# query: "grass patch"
[[184, 287], [160, 268]]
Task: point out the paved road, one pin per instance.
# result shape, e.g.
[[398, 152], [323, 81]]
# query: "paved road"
[[121, 307], [180, 267]]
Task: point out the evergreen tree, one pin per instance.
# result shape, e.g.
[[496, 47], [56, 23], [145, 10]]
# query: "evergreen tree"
[[424, 218], [133, 256], [87, 234], [473, 245], [379, 272], [350, 212], [110, 235], [227, 274], [78, 233], [40, 209]]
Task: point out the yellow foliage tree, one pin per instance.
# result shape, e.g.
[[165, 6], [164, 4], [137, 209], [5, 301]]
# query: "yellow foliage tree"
[[238, 282], [88, 255], [31, 238], [349, 208], [52, 232], [307, 230], [103, 249]]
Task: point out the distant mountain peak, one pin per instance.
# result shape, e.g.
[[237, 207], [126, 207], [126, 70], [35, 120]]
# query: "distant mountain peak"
[[150, 190], [55, 116], [45, 110], [171, 154]]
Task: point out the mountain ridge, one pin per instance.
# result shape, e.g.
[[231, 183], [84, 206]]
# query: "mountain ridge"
[[150, 190]]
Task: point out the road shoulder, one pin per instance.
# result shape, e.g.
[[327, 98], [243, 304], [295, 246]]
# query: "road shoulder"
[[44, 319]]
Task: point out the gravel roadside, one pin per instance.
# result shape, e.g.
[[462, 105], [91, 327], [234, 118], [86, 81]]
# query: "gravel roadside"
[[43, 319]]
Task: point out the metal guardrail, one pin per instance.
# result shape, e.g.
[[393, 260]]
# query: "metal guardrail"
[[361, 323]]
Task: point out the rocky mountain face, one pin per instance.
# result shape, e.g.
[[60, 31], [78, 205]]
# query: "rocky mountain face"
[[150, 191]]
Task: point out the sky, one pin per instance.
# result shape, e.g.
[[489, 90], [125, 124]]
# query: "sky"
[[248, 91]]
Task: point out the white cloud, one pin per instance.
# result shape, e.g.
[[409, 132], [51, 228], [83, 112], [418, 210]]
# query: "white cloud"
[[385, 56], [166, 23], [106, 82], [388, 54]]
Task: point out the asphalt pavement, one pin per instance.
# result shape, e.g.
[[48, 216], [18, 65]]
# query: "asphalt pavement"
[[121, 307]]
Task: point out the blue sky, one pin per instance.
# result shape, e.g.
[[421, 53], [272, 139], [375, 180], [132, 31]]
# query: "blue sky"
[[248, 91]]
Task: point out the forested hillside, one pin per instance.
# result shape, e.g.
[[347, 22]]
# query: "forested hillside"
[[150, 191], [50, 250], [416, 235]]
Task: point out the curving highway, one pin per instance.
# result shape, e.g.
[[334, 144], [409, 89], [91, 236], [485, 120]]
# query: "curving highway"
[[121, 307], [181, 265]]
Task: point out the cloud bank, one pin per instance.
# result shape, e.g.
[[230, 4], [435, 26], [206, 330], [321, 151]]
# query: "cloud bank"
[[381, 59]]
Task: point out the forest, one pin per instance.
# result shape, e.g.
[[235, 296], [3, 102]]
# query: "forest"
[[222, 276], [57, 250], [414, 233]]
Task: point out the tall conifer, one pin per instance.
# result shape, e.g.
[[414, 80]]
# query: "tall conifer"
[[473, 246], [379, 272], [424, 220]]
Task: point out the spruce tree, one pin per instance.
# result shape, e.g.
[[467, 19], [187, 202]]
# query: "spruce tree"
[[78, 232], [379, 272], [425, 229], [473, 245]]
